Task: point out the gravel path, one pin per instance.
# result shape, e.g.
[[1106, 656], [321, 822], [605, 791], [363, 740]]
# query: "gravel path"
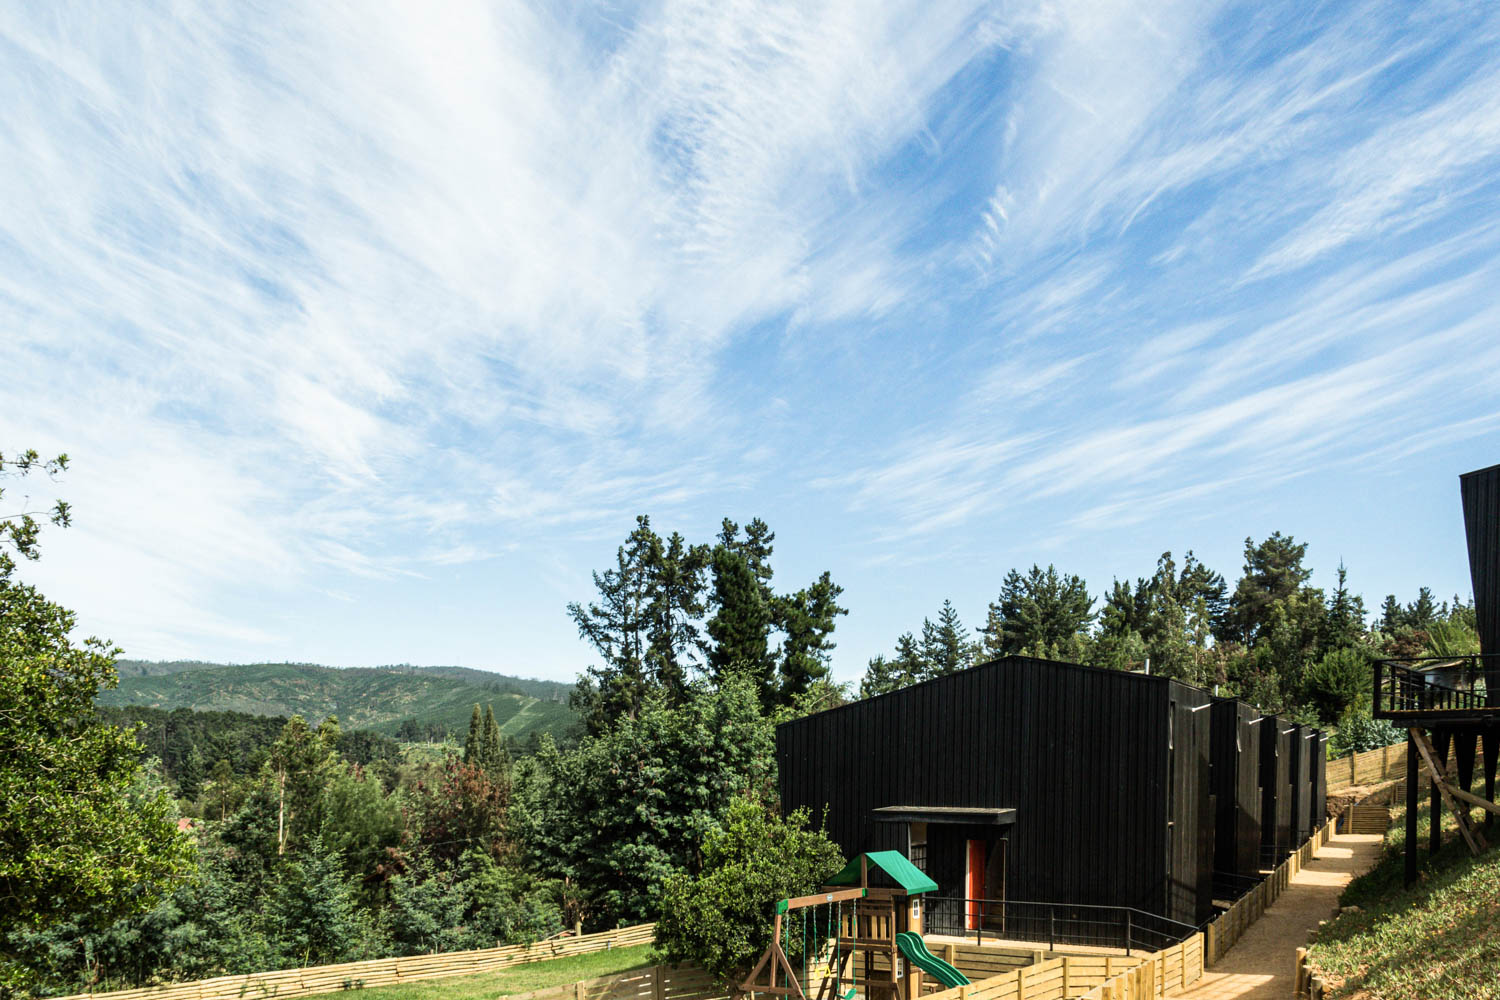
[[1261, 965]]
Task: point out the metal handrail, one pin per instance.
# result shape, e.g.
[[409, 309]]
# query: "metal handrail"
[[1069, 923], [1405, 687]]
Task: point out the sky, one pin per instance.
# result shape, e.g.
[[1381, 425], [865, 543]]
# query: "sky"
[[370, 327]]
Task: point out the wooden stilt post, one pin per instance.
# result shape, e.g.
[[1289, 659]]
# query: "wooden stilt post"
[[1412, 770]]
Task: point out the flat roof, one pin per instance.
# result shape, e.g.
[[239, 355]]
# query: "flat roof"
[[944, 814]]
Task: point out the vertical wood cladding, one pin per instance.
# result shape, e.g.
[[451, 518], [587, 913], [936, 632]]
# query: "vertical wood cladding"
[[1108, 772], [1481, 498], [1275, 780], [1236, 787]]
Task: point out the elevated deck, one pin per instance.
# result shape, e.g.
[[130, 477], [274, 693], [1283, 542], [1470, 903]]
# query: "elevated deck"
[[1446, 690]]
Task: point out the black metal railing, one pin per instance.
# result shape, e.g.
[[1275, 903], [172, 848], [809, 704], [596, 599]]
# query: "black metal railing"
[[1231, 886], [1427, 685], [1052, 924]]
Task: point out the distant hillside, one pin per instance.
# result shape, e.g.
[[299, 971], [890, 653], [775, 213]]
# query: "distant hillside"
[[380, 699]]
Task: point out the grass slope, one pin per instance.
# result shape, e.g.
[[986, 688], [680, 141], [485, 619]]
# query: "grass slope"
[[519, 978], [1436, 939], [376, 698]]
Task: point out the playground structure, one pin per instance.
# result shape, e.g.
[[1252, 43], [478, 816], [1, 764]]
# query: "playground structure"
[[872, 930]]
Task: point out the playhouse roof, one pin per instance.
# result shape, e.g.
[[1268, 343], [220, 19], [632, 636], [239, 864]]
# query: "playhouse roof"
[[905, 874]]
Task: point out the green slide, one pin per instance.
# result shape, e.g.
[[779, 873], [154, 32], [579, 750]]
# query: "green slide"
[[915, 949]]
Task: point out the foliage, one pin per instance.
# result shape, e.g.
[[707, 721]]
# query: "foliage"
[[408, 703], [1337, 683], [721, 918], [1433, 939], [668, 609], [77, 834], [311, 909], [945, 647], [1040, 609], [21, 532], [626, 809], [1273, 573], [1357, 732]]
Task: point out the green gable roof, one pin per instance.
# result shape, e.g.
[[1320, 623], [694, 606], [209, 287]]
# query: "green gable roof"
[[905, 874]]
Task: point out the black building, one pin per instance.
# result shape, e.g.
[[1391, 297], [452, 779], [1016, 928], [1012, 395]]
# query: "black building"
[[1023, 779], [1236, 785]]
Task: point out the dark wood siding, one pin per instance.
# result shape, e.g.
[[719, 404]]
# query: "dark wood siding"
[[1082, 755], [1276, 799], [1236, 787], [1481, 498]]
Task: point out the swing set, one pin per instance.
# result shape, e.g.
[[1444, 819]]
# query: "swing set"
[[818, 937]]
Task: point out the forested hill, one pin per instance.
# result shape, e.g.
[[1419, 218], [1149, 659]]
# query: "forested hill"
[[403, 701]]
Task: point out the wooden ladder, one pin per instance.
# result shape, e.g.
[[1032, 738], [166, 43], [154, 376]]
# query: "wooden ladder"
[[1452, 794]]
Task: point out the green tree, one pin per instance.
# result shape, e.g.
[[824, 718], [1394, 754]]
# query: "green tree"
[[1273, 572], [493, 756], [1392, 615], [720, 918], [744, 615], [77, 835], [1041, 609], [908, 666], [946, 647], [1345, 623], [1338, 682], [312, 909], [301, 761], [21, 532], [474, 743], [807, 622], [1421, 613], [626, 808]]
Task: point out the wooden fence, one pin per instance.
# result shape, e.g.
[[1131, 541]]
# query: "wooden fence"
[[656, 982], [1221, 934], [1066, 977], [380, 971], [1380, 765], [1369, 768]]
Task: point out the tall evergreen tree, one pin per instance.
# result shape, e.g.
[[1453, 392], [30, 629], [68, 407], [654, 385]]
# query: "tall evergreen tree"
[[1345, 622], [474, 744], [905, 668], [1422, 612], [490, 758], [743, 618], [1273, 572], [1039, 610], [946, 647], [1392, 615], [807, 621]]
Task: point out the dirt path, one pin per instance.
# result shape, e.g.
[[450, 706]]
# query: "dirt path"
[[1260, 966]]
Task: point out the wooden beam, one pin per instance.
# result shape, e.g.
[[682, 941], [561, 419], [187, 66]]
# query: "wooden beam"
[[802, 902], [1473, 799], [1474, 839]]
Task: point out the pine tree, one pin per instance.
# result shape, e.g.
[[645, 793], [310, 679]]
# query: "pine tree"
[[1042, 609], [1392, 615], [742, 621], [474, 744], [489, 759], [945, 645], [807, 621], [1422, 612], [1273, 573], [1345, 622]]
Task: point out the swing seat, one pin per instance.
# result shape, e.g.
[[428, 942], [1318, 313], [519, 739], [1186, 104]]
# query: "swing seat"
[[849, 993]]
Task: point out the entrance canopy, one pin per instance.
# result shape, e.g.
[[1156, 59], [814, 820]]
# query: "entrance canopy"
[[945, 814]]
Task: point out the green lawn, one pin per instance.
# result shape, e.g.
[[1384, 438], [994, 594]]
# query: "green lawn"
[[518, 978], [1437, 939]]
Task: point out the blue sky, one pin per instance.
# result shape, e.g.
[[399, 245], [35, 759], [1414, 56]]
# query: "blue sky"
[[371, 327]]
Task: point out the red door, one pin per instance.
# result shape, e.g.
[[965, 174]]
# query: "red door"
[[974, 884]]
